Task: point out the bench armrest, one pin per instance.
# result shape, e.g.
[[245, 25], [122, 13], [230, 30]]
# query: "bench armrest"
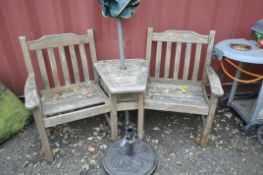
[[214, 82], [30, 91]]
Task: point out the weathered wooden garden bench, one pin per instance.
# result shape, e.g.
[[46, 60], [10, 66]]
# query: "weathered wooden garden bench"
[[178, 86], [67, 100]]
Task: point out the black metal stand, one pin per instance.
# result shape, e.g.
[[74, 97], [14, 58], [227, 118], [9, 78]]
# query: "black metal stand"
[[129, 156]]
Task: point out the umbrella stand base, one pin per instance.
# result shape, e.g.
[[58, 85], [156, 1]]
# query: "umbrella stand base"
[[129, 156], [142, 162]]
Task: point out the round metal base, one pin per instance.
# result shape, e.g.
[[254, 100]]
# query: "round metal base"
[[260, 134], [142, 162]]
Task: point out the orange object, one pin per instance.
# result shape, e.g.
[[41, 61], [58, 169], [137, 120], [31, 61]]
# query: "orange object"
[[258, 77], [261, 44]]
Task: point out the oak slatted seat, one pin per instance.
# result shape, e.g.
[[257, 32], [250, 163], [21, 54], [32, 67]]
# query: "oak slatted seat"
[[70, 98], [170, 94], [185, 93], [63, 102]]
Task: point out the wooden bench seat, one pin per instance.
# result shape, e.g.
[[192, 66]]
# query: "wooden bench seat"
[[63, 98], [180, 96], [181, 73], [74, 97]]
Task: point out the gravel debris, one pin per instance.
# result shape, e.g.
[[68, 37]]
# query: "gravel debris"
[[78, 146]]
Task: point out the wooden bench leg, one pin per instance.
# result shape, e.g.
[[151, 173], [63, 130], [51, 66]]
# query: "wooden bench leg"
[[209, 120], [140, 116], [42, 133], [114, 118], [203, 118]]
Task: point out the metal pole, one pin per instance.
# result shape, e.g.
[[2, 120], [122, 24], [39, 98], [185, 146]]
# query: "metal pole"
[[122, 62], [121, 47], [127, 118], [234, 86]]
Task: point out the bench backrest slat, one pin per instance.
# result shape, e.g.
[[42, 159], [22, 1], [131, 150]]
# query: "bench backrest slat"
[[42, 68], [70, 47], [189, 47], [74, 63], [167, 59], [64, 64], [158, 59], [177, 60]]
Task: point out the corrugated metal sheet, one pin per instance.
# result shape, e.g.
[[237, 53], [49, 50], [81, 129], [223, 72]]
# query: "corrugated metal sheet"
[[34, 18]]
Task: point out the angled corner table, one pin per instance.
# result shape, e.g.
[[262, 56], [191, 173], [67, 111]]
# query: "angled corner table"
[[250, 110], [126, 89]]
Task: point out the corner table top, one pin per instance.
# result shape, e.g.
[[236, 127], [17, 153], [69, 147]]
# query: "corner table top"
[[131, 80]]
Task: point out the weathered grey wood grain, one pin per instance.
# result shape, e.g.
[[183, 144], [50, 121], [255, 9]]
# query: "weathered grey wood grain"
[[166, 95], [57, 40], [140, 116], [187, 61], [95, 75], [114, 117], [167, 59], [158, 59], [127, 97], [124, 106], [125, 87], [187, 96], [104, 87], [64, 65], [63, 103], [131, 80], [53, 65], [209, 53], [71, 99], [42, 68], [177, 60], [180, 36], [42, 133], [30, 92], [74, 63], [205, 93], [163, 105], [149, 44], [209, 120], [84, 61], [24, 47], [197, 61], [92, 46], [170, 82], [214, 82], [210, 47], [76, 115]]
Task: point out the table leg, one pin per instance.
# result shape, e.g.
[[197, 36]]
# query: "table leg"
[[258, 105], [140, 116], [234, 86], [114, 118]]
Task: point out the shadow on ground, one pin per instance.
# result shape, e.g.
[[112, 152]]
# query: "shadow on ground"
[[78, 147]]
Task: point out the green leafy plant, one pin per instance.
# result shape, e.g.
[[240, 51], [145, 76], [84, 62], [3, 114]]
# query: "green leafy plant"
[[259, 39], [13, 114], [90, 84], [259, 36]]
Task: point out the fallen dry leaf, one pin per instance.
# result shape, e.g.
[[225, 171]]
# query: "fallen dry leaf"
[[184, 88], [91, 149]]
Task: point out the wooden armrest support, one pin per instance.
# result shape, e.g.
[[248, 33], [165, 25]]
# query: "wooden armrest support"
[[214, 82], [31, 96]]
